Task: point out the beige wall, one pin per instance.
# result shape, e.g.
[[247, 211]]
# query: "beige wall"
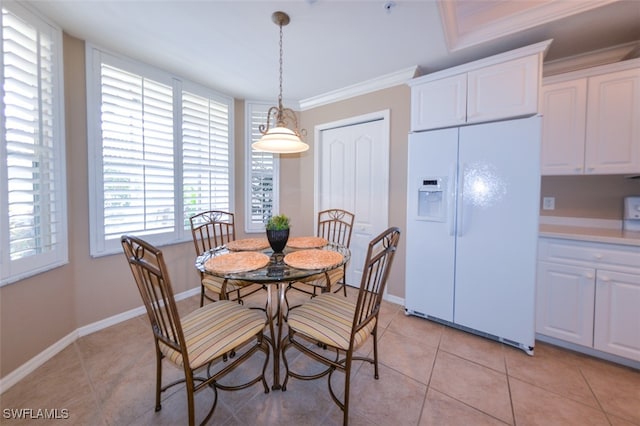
[[595, 197]]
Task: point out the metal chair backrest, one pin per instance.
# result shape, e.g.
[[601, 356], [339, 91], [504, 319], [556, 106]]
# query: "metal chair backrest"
[[377, 265], [336, 225], [212, 229], [150, 273]]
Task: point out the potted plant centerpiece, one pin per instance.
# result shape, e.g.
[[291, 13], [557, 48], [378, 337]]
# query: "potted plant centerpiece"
[[278, 232]]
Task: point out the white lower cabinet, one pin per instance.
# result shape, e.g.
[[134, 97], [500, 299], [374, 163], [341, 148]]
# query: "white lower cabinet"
[[617, 329], [588, 294], [565, 298]]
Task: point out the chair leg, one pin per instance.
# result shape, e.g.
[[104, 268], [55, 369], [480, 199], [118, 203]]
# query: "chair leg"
[[347, 383], [192, 414], [158, 377], [374, 333]]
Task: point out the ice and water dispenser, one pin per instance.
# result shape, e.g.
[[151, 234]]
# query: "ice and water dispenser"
[[432, 205]]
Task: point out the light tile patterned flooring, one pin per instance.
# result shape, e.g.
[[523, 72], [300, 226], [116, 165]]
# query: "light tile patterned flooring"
[[429, 375]]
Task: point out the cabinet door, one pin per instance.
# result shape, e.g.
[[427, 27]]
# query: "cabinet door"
[[617, 317], [439, 103], [613, 127], [564, 108], [505, 90], [564, 302]]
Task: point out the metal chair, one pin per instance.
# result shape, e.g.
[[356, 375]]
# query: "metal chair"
[[341, 325], [336, 226], [211, 229], [202, 338]]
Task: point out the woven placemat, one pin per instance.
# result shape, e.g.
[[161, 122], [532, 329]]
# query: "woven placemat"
[[239, 261], [313, 259], [306, 242], [248, 244]]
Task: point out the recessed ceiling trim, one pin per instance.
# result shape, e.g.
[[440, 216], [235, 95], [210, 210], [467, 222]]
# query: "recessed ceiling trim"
[[506, 22], [379, 83]]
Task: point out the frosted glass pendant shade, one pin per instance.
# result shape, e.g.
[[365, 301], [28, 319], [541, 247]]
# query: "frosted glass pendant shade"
[[280, 140]]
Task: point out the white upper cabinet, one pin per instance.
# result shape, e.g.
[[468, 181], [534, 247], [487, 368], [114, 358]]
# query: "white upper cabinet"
[[590, 123], [613, 123], [509, 89], [441, 103], [495, 88], [563, 127]]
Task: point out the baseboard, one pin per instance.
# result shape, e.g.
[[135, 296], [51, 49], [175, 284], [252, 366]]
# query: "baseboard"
[[589, 351], [393, 299], [28, 367]]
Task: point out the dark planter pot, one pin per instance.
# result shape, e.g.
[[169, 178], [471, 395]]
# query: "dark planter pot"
[[278, 239]]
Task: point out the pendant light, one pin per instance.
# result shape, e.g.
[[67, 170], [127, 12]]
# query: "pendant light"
[[280, 139]]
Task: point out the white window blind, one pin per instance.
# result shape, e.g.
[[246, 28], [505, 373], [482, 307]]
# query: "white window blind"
[[32, 172], [137, 154], [262, 173], [206, 155], [159, 152]]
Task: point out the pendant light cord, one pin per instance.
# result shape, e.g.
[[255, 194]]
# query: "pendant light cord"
[[280, 95]]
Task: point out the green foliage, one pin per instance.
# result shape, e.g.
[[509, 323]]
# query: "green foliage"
[[278, 223]]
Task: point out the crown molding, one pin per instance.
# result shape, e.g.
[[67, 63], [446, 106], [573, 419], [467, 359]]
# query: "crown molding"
[[590, 72], [595, 58], [506, 22], [532, 49], [383, 82]]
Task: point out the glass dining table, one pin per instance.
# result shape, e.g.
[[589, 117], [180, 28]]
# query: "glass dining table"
[[276, 275]]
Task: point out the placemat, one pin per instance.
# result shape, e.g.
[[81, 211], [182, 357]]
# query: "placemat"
[[306, 242], [248, 244], [313, 259], [239, 261]]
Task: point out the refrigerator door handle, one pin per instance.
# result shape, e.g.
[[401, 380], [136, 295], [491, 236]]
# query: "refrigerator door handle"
[[451, 197], [460, 198]]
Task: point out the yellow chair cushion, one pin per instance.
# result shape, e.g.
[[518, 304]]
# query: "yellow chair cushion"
[[215, 284], [214, 330], [320, 280], [328, 318]]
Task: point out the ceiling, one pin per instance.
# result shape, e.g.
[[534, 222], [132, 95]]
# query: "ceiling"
[[330, 45]]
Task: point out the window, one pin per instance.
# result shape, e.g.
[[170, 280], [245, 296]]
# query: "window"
[[33, 235], [160, 151], [261, 196]]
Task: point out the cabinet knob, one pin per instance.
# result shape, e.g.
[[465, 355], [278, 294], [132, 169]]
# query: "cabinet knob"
[[589, 276], [598, 256]]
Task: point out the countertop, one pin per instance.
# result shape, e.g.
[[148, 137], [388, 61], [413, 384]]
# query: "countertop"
[[590, 233]]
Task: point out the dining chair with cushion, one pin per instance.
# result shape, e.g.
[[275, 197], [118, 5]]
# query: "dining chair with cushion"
[[211, 229], [200, 342], [335, 225], [341, 325]]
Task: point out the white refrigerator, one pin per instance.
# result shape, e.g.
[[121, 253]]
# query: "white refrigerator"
[[472, 228]]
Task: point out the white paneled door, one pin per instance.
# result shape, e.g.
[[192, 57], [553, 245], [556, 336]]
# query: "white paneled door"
[[352, 173]]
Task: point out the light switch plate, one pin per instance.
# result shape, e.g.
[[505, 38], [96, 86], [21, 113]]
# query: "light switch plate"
[[548, 203]]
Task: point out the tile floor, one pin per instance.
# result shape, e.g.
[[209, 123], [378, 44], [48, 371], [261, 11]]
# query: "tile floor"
[[429, 375]]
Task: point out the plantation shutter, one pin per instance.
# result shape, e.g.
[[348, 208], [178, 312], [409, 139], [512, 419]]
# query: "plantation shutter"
[[32, 188], [206, 163], [137, 154], [262, 179]]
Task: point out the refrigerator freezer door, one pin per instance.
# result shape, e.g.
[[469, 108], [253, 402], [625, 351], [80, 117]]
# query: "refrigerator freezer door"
[[430, 259], [499, 186]]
